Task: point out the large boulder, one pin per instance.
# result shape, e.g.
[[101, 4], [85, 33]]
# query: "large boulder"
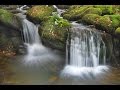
[[10, 20], [105, 23], [54, 32], [39, 13], [91, 19], [109, 23], [76, 13], [10, 32]]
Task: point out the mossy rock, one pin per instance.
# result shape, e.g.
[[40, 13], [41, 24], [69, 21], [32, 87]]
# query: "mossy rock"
[[79, 12], [91, 19], [101, 22], [91, 10], [115, 21], [53, 35], [108, 23], [39, 13], [73, 13], [106, 9], [10, 19], [105, 23], [117, 31]]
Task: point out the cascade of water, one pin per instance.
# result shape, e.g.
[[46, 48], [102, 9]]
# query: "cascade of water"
[[30, 32], [36, 51], [86, 48], [60, 11], [87, 51]]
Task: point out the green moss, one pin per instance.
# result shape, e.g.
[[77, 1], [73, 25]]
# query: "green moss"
[[9, 19], [117, 31], [40, 12], [105, 23], [57, 20], [115, 21], [53, 33], [5, 16], [106, 9], [91, 10], [91, 18], [115, 16], [74, 13], [116, 9]]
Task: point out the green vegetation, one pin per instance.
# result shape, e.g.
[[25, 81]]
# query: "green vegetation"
[[59, 21], [54, 30]]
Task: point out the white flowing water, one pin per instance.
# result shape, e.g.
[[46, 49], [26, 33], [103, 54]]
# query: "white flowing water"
[[30, 32], [60, 11], [36, 52], [87, 53]]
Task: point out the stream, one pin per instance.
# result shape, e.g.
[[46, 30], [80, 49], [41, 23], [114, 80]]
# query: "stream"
[[45, 66]]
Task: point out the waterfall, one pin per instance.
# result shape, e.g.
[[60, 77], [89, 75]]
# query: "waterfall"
[[35, 50], [30, 32], [86, 47], [86, 52]]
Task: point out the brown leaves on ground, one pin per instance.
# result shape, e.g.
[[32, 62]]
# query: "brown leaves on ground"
[[7, 53]]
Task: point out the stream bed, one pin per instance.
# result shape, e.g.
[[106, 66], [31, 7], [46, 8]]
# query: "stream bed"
[[48, 73]]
